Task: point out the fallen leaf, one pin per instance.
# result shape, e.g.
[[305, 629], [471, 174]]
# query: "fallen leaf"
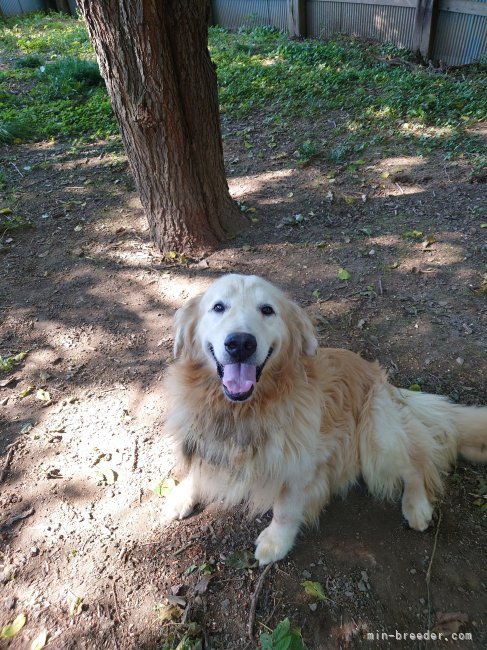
[[176, 600], [202, 585], [241, 560], [450, 622], [165, 487], [429, 241], [412, 234], [43, 395], [10, 380], [26, 391], [12, 629], [314, 589], [205, 569], [109, 476], [76, 606], [169, 612], [40, 641]]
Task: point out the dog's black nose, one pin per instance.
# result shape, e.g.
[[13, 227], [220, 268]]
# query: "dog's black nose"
[[240, 346]]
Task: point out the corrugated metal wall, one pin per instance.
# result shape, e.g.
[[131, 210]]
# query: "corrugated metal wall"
[[461, 37], [250, 13], [16, 7], [379, 21]]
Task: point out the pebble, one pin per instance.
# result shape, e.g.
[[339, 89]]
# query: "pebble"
[[9, 602], [313, 606], [34, 550], [306, 574]]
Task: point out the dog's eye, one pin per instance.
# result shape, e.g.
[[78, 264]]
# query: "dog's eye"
[[219, 307], [267, 310]]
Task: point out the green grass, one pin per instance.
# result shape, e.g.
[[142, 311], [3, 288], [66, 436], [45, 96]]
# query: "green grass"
[[375, 103], [58, 91]]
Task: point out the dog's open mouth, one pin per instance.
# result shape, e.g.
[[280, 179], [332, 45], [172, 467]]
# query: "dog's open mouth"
[[239, 379]]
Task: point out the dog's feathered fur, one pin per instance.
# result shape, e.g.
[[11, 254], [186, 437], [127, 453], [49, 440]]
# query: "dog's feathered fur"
[[315, 422]]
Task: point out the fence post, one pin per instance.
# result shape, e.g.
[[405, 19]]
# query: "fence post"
[[296, 18], [424, 25]]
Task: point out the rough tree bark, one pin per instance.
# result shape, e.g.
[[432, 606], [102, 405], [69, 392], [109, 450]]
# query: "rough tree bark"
[[162, 84]]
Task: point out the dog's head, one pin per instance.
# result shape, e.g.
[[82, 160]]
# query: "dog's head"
[[241, 327]]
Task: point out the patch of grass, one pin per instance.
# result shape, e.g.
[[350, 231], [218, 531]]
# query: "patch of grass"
[[60, 94], [264, 70], [58, 90], [18, 127], [71, 78], [51, 34], [29, 61], [13, 222]]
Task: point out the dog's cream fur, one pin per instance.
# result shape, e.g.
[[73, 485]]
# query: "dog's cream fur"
[[317, 420]]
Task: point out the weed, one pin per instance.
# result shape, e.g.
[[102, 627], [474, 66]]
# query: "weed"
[[306, 152], [30, 61], [284, 636], [69, 77], [18, 128], [11, 222]]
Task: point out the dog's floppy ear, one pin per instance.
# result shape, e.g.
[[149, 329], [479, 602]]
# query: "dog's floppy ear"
[[301, 322], [185, 321]]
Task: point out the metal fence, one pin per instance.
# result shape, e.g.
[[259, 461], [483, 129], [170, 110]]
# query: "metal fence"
[[16, 7], [451, 31]]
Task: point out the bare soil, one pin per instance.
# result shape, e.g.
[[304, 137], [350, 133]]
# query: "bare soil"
[[86, 294]]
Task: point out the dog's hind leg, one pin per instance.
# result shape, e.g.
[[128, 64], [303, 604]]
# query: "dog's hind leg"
[[416, 506]]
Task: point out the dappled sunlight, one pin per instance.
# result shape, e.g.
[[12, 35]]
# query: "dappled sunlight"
[[239, 185]]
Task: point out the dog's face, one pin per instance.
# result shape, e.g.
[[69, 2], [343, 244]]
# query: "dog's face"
[[240, 327]]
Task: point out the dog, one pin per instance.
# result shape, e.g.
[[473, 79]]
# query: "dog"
[[260, 414]]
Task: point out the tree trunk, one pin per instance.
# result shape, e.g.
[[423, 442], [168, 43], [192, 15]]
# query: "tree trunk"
[[162, 84]]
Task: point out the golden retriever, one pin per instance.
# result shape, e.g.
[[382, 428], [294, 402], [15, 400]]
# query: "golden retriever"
[[260, 414]]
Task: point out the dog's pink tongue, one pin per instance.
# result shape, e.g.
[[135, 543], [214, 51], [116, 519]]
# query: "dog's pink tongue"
[[238, 378]]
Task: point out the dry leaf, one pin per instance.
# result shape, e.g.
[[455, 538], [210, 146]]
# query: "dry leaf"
[[450, 622], [12, 629], [40, 641]]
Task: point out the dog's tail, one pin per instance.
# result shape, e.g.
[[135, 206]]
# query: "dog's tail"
[[466, 425], [471, 426]]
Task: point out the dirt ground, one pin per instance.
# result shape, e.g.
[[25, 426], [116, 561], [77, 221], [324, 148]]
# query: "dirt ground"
[[85, 293]]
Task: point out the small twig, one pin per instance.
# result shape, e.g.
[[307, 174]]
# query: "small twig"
[[381, 289], [8, 460], [399, 188], [183, 548], [116, 603], [255, 598], [21, 515], [428, 572], [117, 647], [16, 168], [135, 458]]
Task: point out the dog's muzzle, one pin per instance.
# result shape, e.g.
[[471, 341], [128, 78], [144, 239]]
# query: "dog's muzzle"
[[239, 379]]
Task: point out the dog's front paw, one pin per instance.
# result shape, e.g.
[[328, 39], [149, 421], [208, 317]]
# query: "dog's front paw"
[[273, 543], [419, 514], [179, 504]]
